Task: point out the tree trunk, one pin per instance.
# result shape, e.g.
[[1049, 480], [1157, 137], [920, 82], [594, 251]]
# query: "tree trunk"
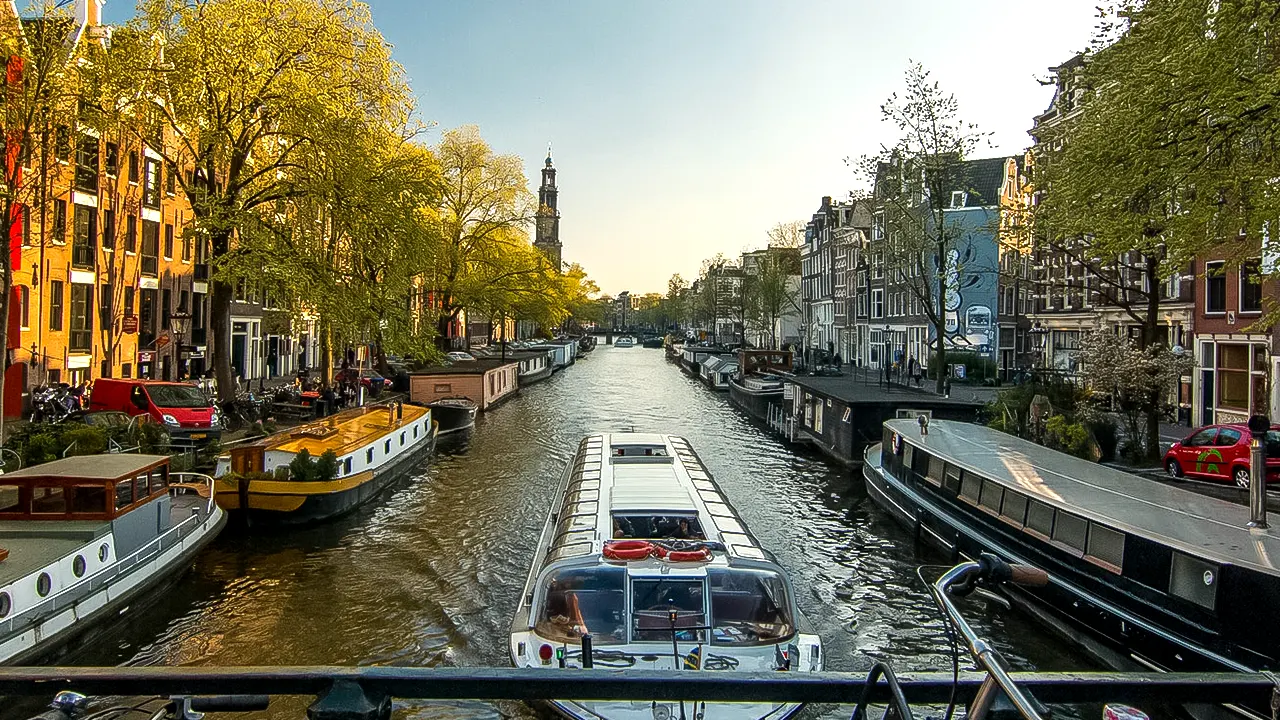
[[219, 340], [326, 353], [6, 283], [1151, 451]]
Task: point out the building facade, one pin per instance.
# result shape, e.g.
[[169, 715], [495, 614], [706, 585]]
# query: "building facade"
[[817, 282]]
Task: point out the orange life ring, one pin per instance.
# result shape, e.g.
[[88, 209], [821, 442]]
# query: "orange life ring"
[[698, 554], [627, 550]]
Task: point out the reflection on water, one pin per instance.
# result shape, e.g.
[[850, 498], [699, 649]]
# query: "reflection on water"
[[429, 573]]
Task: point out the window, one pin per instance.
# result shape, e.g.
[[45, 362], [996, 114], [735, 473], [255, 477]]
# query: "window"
[[653, 601], [56, 300], [133, 166], [86, 179], [108, 229], [62, 143], [112, 160], [150, 247], [368, 456], [60, 221], [10, 498], [48, 500], [877, 303], [1193, 579], [1070, 530], [24, 297], [1106, 545], [577, 599], [131, 234], [159, 479], [171, 182], [106, 303], [151, 183], [89, 499], [1233, 376], [755, 599], [84, 238], [970, 487], [958, 198], [1251, 286], [128, 301], [187, 242], [168, 241], [81, 317], [166, 302], [1215, 288], [1040, 518]]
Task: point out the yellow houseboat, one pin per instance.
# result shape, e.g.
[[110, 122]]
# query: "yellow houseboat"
[[371, 445]]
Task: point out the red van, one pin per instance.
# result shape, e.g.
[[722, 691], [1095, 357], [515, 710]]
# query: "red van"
[[182, 409]]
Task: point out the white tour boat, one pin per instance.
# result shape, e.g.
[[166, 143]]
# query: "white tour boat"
[[645, 565], [625, 341]]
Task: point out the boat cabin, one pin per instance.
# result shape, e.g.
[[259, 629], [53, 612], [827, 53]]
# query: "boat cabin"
[[718, 371], [643, 546], [88, 487], [764, 362], [486, 382]]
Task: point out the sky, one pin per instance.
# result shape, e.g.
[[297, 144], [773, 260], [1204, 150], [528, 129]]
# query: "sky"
[[685, 128]]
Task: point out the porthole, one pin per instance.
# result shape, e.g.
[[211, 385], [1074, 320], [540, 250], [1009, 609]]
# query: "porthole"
[[5, 604], [78, 566], [44, 584], [104, 552]]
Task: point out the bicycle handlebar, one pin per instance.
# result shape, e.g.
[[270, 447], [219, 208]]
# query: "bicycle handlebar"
[[1028, 576]]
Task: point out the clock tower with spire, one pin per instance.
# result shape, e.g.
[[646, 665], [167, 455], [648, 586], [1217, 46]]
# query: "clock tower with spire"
[[547, 229]]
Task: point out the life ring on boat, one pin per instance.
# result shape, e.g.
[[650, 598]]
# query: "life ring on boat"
[[697, 554], [627, 550]]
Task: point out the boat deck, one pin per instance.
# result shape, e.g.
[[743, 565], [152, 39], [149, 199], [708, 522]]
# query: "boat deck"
[[1205, 526], [347, 431], [33, 544]]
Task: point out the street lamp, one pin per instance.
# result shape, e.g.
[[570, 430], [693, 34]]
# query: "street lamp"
[[1038, 335], [180, 323]]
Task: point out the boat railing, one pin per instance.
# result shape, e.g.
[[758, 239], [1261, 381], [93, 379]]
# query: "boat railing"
[[196, 479], [94, 581], [366, 692]]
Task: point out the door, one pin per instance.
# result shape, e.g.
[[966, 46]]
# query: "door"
[[238, 356], [1198, 455]]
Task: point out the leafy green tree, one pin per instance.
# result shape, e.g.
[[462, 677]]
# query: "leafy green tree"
[[770, 289]]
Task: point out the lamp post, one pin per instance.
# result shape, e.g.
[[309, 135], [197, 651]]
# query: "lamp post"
[[180, 323], [1039, 334], [888, 348]]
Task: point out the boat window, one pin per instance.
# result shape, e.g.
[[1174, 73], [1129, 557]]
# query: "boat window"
[[124, 493], [704, 485], [749, 607], [970, 487], [663, 606], [654, 527], [159, 479], [368, 456], [346, 466], [1194, 579], [951, 480], [386, 448], [584, 600], [909, 456], [89, 499], [140, 484], [48, 499], [992, 494], [570, 523], [1040, 518], [577, 496], [1070, 530], [401, 439], [1015, 506], [1106, 544], [10, 498], [936, 466], [710, 496]]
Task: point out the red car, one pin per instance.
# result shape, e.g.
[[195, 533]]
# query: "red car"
[[1221, 452]]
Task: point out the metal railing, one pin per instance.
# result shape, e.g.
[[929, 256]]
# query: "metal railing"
[[199, 477]]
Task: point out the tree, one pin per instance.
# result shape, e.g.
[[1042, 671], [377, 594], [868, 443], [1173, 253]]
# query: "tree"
[[770, 290], [911, 182], [786, 235], [232, 95], [38, 118], [485, 206], [1131, 374]]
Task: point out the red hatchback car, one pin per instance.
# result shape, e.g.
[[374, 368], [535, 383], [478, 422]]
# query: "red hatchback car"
[[1221, 452]]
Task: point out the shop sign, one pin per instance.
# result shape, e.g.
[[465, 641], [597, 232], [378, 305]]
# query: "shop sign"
[[130, 324], [146, 356]]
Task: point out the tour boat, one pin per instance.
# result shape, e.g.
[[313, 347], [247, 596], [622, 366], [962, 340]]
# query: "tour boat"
[[639, 545], [625, 341], [453, 414], [85, 539], [373, 445], [1142, 572]]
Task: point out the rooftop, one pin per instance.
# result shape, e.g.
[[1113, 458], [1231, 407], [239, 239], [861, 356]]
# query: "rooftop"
[[478, 366], [98, 467]]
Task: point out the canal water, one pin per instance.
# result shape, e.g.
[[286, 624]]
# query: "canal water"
[[428, 574]]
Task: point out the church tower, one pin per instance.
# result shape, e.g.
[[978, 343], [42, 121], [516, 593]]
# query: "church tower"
[[547, 237]]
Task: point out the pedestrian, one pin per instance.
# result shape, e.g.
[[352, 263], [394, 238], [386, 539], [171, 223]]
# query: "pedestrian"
[[838, 361], [327, 400]]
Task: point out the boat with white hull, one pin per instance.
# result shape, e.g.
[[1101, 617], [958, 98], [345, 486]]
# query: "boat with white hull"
[[644, 565], [86, 538]]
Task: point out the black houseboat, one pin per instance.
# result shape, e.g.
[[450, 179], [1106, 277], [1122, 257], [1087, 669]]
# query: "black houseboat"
[[692, 357], [454, 414], [1141, 571]]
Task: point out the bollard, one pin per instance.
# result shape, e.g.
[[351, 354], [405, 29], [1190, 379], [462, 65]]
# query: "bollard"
[[586, 652], [1258, 427]]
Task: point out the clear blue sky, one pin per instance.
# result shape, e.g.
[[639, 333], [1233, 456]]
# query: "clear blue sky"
[[683, 128]]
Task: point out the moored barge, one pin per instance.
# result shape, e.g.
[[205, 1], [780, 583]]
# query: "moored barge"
[[1141, 572], [86, 538], [453, 414], [643, 564], [371, 445]]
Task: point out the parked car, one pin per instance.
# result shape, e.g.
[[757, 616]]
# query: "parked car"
[[370, 379], [458, 356], [186, 413], [1221, 452]]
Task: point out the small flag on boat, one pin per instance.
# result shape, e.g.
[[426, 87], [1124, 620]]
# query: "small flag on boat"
[[693, 661]]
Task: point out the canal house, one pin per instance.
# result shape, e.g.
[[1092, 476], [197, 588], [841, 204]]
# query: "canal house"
[[486, 382]]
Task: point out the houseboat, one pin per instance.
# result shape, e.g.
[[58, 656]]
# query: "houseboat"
[[486, 382], [643, 564], [759, 395], [1141, 571], [717, 371], [535, 366], [652, 342], [453, 414], [692, 357], [564, 352], [87, 538], [373, 445]]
